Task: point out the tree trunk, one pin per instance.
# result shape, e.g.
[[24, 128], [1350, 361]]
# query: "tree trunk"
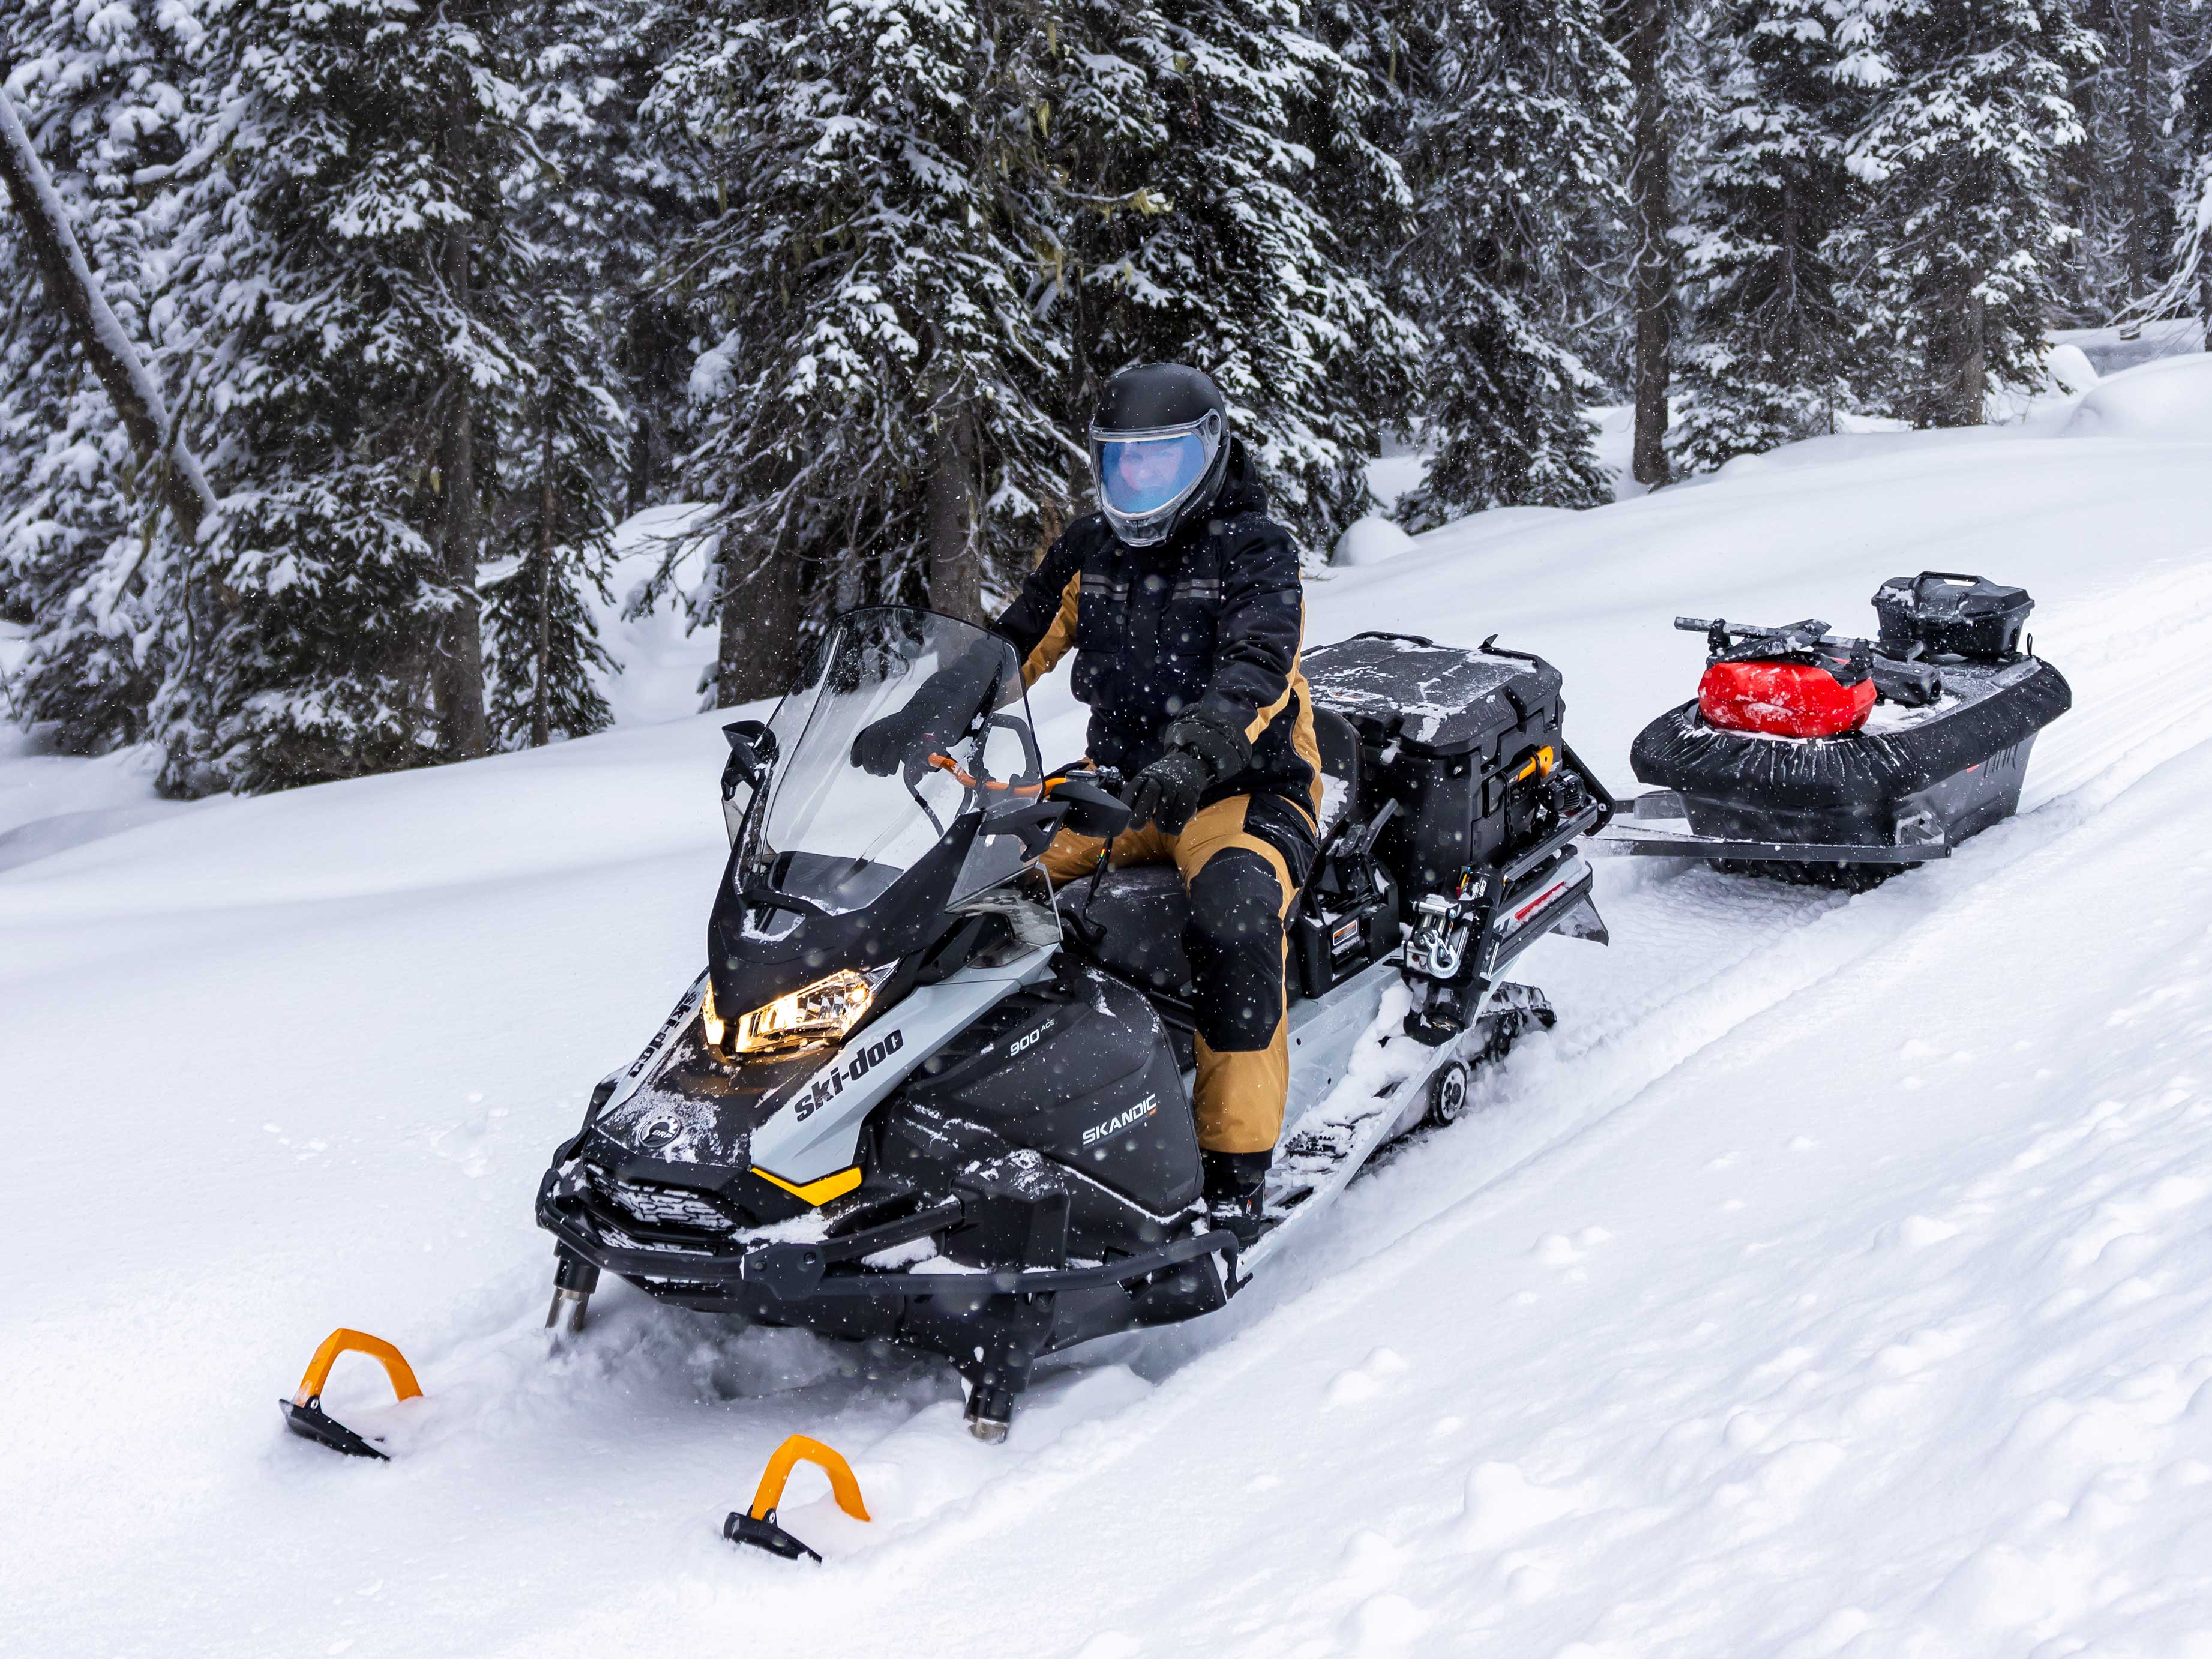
[[1083, 377], [73, 290], [1960, 362], [541, 722], [1651, 279], [759, 654], [458, 669], [956, 553], [2143, 219], [640, 481]]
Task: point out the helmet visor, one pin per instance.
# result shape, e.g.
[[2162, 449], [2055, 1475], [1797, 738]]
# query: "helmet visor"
[[1142, 473]]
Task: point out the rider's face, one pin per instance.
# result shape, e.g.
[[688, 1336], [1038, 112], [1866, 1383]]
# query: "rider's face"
[[1147, 467]]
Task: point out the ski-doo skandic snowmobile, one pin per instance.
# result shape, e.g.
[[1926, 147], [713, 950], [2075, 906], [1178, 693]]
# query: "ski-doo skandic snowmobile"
[[917, 1095], [1831, 759]]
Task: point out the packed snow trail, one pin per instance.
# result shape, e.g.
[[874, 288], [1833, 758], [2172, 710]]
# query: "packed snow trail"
[[287, 1064], [1883, 1327]]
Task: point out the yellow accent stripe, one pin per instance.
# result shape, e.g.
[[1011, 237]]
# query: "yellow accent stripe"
[[817, 1193], [1058, 638]]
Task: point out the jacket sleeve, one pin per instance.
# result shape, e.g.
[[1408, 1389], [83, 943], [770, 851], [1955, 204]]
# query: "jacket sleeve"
[[1040, 624], [1257, 640]]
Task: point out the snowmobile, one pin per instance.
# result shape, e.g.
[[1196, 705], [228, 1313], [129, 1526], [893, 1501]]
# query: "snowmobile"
[[920, 1095], [1840, 761]]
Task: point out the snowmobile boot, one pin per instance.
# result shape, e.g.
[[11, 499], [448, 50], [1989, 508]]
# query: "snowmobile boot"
[[1235, 1191]]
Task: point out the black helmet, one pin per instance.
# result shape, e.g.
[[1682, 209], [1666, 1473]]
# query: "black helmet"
[[1159, 443]]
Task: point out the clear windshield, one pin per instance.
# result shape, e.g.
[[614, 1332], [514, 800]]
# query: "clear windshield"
[[913, 719]]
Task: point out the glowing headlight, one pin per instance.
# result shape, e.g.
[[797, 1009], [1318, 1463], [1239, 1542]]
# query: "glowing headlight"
[[821, 1012]]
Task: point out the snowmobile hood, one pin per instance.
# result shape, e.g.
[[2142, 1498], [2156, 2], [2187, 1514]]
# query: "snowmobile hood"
[[691, 1108]]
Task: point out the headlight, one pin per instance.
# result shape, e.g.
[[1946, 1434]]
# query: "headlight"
[[821, 1012]]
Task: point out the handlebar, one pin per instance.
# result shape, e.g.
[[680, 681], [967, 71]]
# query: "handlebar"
[[966, 780]]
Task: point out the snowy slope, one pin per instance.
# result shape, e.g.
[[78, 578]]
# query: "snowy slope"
[[1834, 1280]]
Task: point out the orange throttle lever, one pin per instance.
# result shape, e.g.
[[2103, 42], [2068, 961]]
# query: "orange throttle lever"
[[960, 775]]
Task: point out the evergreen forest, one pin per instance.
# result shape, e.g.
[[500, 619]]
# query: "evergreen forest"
[[403, 308]]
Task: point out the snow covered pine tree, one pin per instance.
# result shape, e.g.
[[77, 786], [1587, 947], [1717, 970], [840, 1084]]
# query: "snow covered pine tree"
[[1650, 39], [362, 310], [88, 559], [1959, 235], [2182, 169], [564, 446], [608, 202], [2117, 185], [595, 208], [1771, 326], [1519, 130], [874, 426], [1224, 210]]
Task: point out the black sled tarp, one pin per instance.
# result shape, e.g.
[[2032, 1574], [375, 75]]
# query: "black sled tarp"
[[1862, 776]]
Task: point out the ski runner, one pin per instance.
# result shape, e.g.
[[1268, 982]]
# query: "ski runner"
[[1182, 601]]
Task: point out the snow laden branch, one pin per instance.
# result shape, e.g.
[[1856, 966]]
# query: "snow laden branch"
[[74, 292]]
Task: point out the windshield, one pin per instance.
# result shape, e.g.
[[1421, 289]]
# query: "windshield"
[[913, 719]]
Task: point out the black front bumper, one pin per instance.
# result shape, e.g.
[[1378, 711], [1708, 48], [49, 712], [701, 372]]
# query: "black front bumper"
[[752, 1271]]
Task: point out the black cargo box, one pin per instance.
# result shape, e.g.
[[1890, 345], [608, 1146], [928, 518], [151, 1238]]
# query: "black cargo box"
[[1442, 731], [1943, 614]]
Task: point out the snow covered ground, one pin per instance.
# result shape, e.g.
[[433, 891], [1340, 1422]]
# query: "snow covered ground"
[[2111, 348], [1837, 1279]]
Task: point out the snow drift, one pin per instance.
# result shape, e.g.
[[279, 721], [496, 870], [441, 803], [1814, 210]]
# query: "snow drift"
[[2167, 401]]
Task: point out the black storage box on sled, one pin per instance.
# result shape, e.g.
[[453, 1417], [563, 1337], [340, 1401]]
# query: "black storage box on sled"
[[1938, 614], [1915, 782], [1449, 733]]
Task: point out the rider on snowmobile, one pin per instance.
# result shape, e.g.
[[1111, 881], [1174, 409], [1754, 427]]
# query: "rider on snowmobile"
[[1182, 603]]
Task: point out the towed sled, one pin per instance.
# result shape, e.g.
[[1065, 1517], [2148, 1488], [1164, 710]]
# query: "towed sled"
[[920, 1096], [1836, 760]]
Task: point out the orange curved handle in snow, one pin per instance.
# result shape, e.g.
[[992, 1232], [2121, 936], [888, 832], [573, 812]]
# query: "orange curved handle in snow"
[[403, 1385], [798, 1449]]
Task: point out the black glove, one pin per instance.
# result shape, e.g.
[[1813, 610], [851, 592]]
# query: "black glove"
[[1166, 793], [883, 747], [1200, 755], [940, 709]]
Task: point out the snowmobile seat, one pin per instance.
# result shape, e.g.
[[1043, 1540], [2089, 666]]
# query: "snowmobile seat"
[[1136, 917]]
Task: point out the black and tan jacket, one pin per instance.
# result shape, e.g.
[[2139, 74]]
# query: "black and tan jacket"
[[1207, 624]]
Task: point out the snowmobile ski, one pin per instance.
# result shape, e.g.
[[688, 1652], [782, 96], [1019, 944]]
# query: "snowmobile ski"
[[758, 1526], [303, 1412]]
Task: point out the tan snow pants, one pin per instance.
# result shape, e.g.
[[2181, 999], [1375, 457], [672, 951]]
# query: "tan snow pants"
[[1240, 891]]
